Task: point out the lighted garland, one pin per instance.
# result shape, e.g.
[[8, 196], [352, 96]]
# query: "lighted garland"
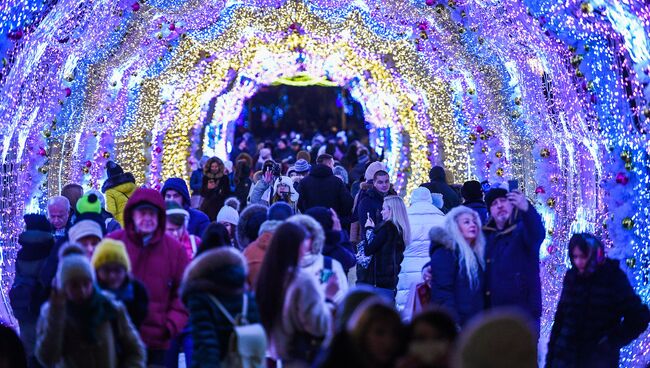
[[88, 84]]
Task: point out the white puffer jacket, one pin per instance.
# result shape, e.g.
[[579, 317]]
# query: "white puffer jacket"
[[423, 215]]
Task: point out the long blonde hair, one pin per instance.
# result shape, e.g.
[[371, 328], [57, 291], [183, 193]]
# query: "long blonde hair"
[[399, 217], [471, 257]]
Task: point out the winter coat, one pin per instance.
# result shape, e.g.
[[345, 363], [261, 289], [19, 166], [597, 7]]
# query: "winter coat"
[[32, 284], [261, 194], [315, 264], [221, 275], [512, 262], [133, 294], [597, 315], [358, 171], [386, 246], [61, 342], [199, 221], [481, 208], [213, 199], [370, 201], [422, 217], [450, 285], [304, 311], [254, 254], [338, 246], [116, 198], [159, 265], [196, 181], [242, 189], [438, 184], [322, 188]]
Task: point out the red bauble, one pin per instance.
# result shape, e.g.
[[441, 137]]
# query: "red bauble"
[[89, 164], [621, 178], [172, 26], [135, 6], [68, 92], [430, 2], [479, 129], [540, 190], [158, 149]]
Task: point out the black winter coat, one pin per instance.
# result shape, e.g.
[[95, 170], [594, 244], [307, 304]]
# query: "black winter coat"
[[213, 199], [449, 195], [597, 315], [386, 246], [322, 188], [450, 285], [512, 263], [370, 202], [33, 279]]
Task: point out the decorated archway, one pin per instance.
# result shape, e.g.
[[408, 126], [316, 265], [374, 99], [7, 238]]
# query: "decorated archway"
[[553, 95]]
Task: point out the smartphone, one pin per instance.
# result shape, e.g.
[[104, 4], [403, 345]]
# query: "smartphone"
[[513, 185], [325, 275]]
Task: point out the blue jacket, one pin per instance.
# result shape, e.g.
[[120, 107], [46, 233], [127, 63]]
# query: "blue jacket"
[[450, 286], [196, 181], [198, 220], [512, 262]]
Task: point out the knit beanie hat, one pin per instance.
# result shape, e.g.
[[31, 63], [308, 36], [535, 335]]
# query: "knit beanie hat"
[[99, 195], [493, 194], [89, 203], [73, 263], [113, 169], [229, 215], [279, 211], [340, 171], [301, 166], [85, 228], [421, 194], [36, 222], [372, 170], [472, 191], [110, 251], [176, 214]]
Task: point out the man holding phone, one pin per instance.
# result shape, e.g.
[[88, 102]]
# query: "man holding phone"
[[513, 235]]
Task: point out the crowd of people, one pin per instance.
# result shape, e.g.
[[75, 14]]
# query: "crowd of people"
[[299, 254]]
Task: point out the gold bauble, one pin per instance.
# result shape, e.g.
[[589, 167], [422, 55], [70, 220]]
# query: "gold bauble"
[[551, 202], [628, 223], [499, 172], [106, 154], [545, 153], [499, 154], [472, 137]]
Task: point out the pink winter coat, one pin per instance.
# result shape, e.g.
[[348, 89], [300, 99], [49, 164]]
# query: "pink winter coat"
[[160, 266]]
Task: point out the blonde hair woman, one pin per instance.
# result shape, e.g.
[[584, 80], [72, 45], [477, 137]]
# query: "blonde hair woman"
[[380, 257], [457, 264]]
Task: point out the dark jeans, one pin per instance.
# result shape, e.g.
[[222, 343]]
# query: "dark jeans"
[[156, 358], [28, 338]]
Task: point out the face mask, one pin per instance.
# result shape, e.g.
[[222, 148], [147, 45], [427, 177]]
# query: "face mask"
[[429, 351]]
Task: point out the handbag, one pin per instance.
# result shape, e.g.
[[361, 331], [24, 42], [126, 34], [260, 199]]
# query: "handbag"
[[418, 298]]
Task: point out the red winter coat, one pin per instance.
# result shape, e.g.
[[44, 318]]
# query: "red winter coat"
[[160, 266]]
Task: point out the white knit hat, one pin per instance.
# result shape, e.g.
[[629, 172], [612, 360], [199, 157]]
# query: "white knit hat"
[[73, 263], [85, 228], [229, 215]]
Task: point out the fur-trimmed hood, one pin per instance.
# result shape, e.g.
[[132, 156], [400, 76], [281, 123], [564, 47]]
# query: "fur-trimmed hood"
[[252, 213], [220, 271], [440, 237]]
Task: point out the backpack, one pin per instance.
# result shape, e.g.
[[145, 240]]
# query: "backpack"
[[247, 342]]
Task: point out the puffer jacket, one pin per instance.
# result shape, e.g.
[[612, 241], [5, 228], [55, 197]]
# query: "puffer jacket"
[[219, 273], [159, 265], [61, 342], [116, 198], [422, 217]]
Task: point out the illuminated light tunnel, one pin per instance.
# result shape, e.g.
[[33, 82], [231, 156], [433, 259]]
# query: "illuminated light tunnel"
[[552, 93]]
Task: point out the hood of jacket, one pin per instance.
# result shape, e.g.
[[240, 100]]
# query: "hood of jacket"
[[321, 171], [218, 271], [250, 214], [179, 185], [440, 237], [424, 208], [118, 181], [144, 195]]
